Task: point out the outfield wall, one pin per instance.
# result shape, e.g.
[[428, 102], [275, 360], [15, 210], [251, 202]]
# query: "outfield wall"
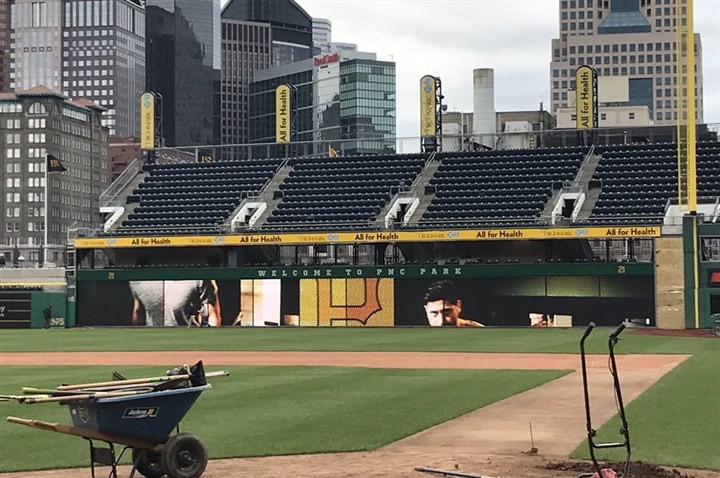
[[373, 296]]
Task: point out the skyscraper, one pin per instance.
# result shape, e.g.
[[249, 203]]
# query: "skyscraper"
[[321, 35], [85, 48], [622, 38], [291, 26], [35, 44], [4, 45], [257, 34], [183, 66], [245, 49]]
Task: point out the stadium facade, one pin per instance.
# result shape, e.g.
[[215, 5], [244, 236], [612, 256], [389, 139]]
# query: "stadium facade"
[[86, 49], [622, 38], [575, 234], [346, 101], [183, 66], [37, 122]]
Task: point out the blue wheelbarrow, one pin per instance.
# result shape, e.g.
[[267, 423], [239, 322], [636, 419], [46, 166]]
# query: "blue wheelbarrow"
[[139, 416]]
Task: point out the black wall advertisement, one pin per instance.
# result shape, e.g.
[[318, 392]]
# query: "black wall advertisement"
[[550, 301]]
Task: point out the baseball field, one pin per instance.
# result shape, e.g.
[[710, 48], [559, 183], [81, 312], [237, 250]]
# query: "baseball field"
[[378, 402]]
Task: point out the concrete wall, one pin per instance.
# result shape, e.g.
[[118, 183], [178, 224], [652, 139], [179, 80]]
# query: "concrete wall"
[[669, 283], [51, 280]]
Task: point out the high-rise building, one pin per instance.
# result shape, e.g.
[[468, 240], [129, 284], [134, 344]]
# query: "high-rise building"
[[86, 49], [245, 49], [321, 35], [4, 45], [343, 48], [346, 102], [35, 44], [257, 34], [34, 123], [622, 38], [291, 26], [183, 66]]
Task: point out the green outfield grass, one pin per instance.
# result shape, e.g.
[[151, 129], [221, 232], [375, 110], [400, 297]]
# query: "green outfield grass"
[[675, 422], [346, 339], [272, 410]]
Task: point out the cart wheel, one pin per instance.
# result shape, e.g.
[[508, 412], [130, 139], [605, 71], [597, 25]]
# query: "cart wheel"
[[148, 463], [184, 456]]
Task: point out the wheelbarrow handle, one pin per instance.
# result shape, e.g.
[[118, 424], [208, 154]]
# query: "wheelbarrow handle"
[[84, 396], [219, 373], [134, 381], [618, 331], [588, 329]]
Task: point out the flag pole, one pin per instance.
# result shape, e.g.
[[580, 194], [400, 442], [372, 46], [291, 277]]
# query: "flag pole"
[[47, 212]]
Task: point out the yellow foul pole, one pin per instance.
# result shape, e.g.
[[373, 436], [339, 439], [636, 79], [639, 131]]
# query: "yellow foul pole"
[[687, 165]]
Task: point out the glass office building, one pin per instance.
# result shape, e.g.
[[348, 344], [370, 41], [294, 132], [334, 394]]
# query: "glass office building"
[[346, 103], [367, 105], [262, 106], [183, 66]]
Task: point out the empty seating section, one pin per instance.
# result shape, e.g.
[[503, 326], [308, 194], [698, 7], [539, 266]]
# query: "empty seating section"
[[487, 188], [638, 180], [708, 169], [341, 192], [508, 187], [195, 197]]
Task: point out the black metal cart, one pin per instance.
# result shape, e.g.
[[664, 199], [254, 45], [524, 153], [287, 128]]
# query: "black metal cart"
[[591, 432]]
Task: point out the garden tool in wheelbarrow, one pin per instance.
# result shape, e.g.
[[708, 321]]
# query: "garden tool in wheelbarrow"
[[139, 414], [591, 432]]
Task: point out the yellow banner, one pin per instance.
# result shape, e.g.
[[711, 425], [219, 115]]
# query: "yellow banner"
[[428, 100], [282, 114], [585, 97], [147, 121], [370, 237]]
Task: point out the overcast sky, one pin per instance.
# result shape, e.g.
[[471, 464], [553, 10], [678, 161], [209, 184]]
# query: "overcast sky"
[[450, 38]]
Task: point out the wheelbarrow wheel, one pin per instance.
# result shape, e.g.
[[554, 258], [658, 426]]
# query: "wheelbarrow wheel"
[[148, 463], [184, 456]]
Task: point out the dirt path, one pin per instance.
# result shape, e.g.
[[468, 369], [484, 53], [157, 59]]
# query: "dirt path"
[[555, 410], [436, 360], [489, 441]]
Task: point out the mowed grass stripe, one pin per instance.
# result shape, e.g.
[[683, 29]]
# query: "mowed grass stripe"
[[341, 339], [260, 411], [675, 422]]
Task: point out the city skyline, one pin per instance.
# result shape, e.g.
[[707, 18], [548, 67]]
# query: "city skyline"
[[520, 56], [83, 49]]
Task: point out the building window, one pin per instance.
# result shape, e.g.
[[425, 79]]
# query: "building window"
[[37, 109], [631, 116]]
